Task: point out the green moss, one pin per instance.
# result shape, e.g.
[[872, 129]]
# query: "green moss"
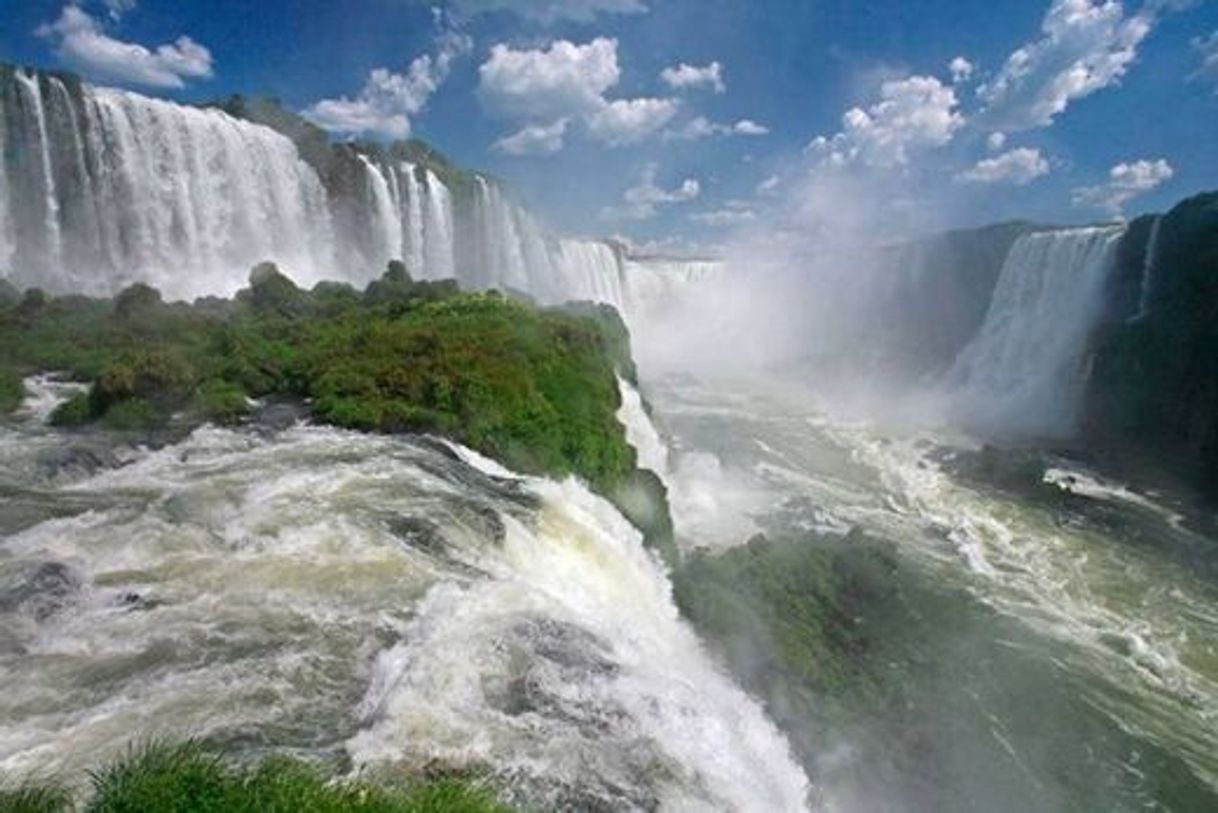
[[189, 778], [76, 411], [12, 392]]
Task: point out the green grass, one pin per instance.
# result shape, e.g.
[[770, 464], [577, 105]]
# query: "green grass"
[[190, 778]]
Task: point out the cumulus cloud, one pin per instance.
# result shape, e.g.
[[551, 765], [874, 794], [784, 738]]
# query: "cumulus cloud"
[[1019, 167], [563, 80], [1207, 47], [733, 213], [914, 113], [1085, 46], [769, 186], [629, 121], [82, 43], [542, 86], [962, 70], [702, 127], [533, 139], [996, 141], [643, 200], [1125, 182], [387, 101], [551, 11], [686, 77]]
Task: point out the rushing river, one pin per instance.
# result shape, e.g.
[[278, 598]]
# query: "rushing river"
[[391, 603], [1060, 646]]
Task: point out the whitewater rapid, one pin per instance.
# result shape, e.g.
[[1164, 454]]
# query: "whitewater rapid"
[[403, 602]]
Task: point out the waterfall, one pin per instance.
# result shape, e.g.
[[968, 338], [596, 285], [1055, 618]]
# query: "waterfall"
[[438, 234], [386, 216], [412, 218], [1023, 371], [1148, 268], [104, 187]]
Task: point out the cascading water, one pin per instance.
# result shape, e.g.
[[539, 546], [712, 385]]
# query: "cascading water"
[[412, 217], [438, 262], [1148, 271], [400, 600], [386, 213], [104, 187], [1023, 372]]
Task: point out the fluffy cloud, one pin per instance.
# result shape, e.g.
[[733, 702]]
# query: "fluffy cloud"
[[1086, 45], [962, 70], [1207, 47], [701, 127], [629, 121], [913, 113], [684, 77], [81, 43], [734, 213], [388, 100], [996, 141], [544, 86], [551, 11], [1125, 182], [563, 80], [642, 201], [534, 139], [1020, 166], [769, 186]]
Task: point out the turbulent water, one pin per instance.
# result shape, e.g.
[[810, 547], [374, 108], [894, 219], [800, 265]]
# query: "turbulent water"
[[1058, 653], [1023, 371], [397, 602]]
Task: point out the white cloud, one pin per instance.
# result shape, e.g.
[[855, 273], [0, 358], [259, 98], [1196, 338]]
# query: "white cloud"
[[551, 11], [725, 217], [81, 43], [118, 8], [1207, 47], [642, 201], [701, 127], [563, 80], [1020, 166], [913, 113], [996, 141], [567, 81], [1086, 46], [534, 139], [962, 70], [629, 121], [1125, 182], [388, 100], [685, 77], [769, 186]]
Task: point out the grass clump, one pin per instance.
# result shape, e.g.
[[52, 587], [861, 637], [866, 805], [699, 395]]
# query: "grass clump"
[[190, 778]]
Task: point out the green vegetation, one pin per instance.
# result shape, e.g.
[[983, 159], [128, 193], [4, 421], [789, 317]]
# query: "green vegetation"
[[188, 778], [533, 388]]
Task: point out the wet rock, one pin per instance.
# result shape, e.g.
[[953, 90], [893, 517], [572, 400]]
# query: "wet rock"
[[40, 591]]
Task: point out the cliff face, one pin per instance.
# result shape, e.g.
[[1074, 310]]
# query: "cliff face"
[[1154, 380]]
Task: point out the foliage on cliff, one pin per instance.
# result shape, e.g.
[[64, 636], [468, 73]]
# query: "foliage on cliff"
[[533, 388], [189, 778]]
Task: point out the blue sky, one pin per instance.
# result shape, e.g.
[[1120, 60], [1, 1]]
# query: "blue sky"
[[679, 119]]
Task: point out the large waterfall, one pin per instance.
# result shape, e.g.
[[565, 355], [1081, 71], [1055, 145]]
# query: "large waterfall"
[[1025, 369], [102, 188]]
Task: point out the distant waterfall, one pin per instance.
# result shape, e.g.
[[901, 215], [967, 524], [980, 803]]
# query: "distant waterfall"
[[438, 261], [1148, 271], [103, 187], [385, 213], [1023, 372]]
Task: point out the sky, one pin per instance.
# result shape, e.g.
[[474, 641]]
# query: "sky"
[[675, 122]]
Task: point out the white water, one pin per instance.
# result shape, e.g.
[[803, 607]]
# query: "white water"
[[386, 214], [325, 590], [1148, 271], [1024, 371], [438, 262], [117, 187]]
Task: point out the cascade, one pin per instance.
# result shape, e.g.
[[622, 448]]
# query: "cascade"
[[386, 217], [104, 187], [438, 230], [412, 218], [1148, 268], [1023, 371]]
